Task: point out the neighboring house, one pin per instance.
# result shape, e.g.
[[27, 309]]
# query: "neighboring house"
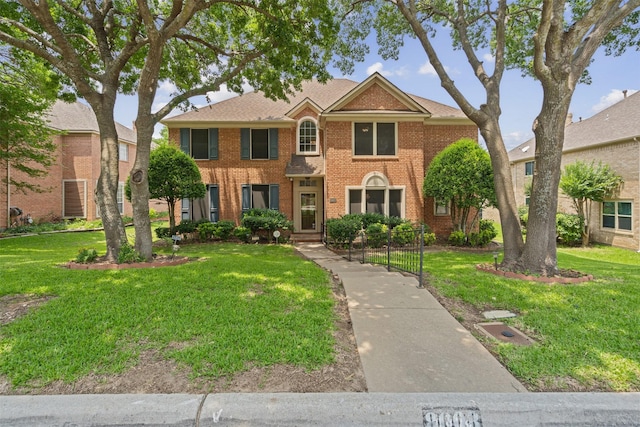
[[613, 137], [335, 148], [72, 178]]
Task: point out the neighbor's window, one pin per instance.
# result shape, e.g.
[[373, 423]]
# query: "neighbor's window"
[[528, 168], [120, 197], [617, 215], [374, 139], [123, 152], [442, 207], [307, 137]]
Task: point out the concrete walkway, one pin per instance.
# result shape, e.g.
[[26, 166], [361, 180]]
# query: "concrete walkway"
[[407, 341]]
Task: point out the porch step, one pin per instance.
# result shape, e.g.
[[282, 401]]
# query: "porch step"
[[306, 237]]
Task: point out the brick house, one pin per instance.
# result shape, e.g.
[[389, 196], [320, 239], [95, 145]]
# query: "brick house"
[[335, 148], [74, 174], [613, 137]]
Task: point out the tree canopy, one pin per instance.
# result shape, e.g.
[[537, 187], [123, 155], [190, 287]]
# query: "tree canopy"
[[585, 183], [462, 175]]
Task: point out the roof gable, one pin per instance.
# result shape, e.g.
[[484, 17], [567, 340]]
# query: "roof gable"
[[376, 94]]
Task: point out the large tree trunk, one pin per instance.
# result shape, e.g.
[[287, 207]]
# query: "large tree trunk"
[[139, 183], [539, 253], [507, 207], [107, 188]]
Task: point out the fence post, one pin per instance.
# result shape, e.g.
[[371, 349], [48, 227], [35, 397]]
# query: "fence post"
[[388, 249], [421, 256], [362, 244]]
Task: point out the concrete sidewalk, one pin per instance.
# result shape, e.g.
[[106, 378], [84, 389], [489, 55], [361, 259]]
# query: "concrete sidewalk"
[[407, 341]]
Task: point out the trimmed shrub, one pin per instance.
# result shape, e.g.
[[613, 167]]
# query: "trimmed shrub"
[[377, 235], [403, 234], [162, 232], [243, 234], [343, 230], [224, 229], [187, 226], [268, 220], [569, 229], [457, 238], [486, 233], [429, 238], [206, 230]]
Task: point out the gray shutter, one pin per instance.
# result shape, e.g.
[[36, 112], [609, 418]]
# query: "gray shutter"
[[273, 143], [274, 197], [245, 143], [185, 134], [213, 143], [214, 203], [246, 197]]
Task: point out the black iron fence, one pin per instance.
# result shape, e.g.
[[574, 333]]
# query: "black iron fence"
[[401, 248]]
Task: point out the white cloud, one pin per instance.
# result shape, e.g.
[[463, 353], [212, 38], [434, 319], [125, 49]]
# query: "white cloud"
[[427, 69], [488, 57], [611, 98], [224, 93], [379, 68], [166, 87]]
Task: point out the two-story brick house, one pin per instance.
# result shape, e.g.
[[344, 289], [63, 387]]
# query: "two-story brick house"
[[72, 179], [611, 136], [335, 148]]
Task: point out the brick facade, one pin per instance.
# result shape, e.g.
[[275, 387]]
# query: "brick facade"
[[419, 139]]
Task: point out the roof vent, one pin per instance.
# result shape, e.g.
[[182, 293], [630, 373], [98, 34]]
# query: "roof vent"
[[525, 149]]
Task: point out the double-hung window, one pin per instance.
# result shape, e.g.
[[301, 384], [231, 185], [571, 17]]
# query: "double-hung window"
[[387, 201], [259, 144], [374, 139], [617, 215], [307, 137], [123, 152], [260, 196], [207, 207], [201, 144], [528, 168]]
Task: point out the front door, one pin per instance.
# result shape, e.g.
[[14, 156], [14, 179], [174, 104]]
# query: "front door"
[[308, 211]]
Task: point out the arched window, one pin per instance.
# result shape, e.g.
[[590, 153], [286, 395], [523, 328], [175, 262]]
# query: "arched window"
[[376, 195], [307, 136]]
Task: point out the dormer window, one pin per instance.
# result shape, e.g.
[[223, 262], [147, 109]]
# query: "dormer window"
[[307, 136]]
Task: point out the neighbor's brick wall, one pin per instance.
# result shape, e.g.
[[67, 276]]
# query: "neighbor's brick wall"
[[41, 206], [77, 157], [624, 159]]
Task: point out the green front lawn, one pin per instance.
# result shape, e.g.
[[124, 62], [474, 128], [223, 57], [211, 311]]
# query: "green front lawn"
[[588, 335], [236, 307]]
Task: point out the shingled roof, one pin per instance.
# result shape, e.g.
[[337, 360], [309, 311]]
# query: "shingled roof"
[[77, 117], [620, 122], [255, 107]]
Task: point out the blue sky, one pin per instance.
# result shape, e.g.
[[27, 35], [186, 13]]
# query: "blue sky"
[[521, 96]]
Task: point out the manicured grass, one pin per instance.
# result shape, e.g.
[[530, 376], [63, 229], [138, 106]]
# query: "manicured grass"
[[588, 335], [238, 306]]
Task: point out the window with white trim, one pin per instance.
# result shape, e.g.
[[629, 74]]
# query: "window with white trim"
[[376, 196], [617, 215], [307, 136], [123, 152], [120, 197], [374, 139]]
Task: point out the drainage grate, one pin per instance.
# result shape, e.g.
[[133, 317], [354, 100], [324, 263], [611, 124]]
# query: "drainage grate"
[[504, 333], [451, 416]]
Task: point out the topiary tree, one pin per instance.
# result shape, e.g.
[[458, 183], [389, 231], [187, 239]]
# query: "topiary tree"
[[586, 183], [462, 175], [173, 176]]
